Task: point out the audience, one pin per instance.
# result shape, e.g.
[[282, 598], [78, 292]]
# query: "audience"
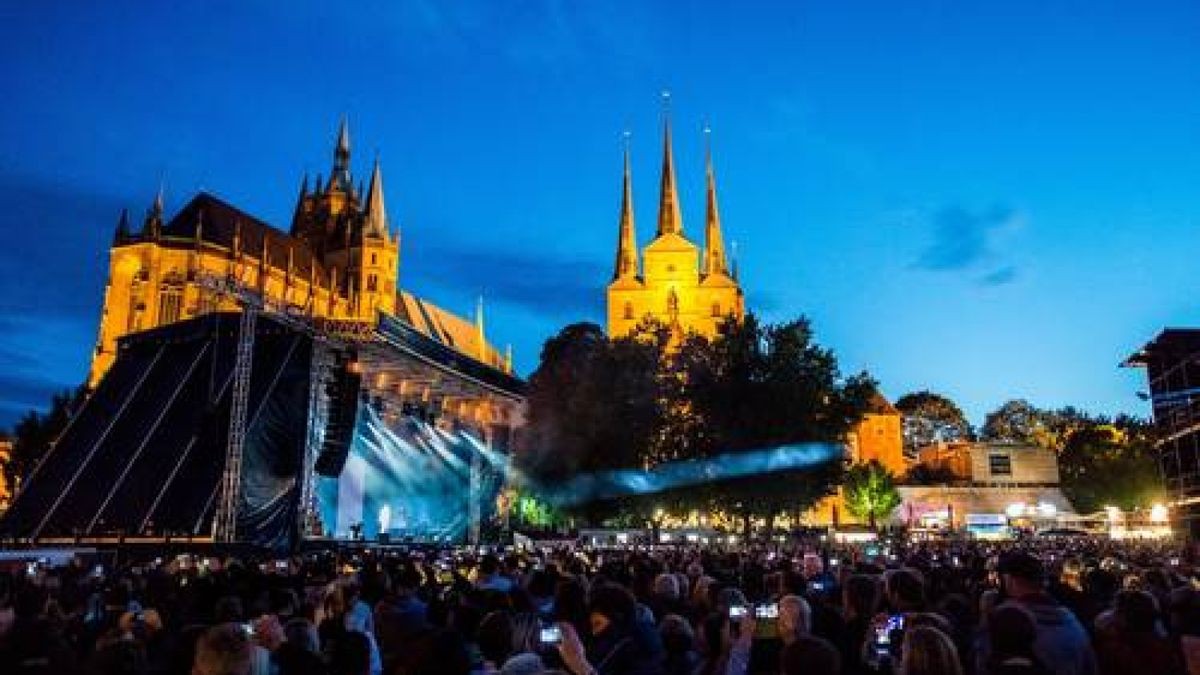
[[1088, 607]]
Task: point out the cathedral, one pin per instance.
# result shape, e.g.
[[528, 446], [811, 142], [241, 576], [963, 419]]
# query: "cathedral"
[[672, 280], [339, 261], [687, 289]]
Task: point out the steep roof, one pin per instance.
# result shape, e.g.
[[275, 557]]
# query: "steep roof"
[[219, 221]]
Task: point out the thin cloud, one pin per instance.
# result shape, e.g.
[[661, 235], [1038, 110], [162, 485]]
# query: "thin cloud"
[[966, 242], [562, 288], [1000, 277]]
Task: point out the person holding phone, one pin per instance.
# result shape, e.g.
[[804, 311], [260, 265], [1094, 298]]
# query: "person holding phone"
[[617, 645]]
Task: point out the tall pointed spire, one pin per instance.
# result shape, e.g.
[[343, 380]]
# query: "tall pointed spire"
[[627, 256], [376, 224], [122, 233], [298, 214], [669, 219], [152, 226], [714, 243], [339, 178]]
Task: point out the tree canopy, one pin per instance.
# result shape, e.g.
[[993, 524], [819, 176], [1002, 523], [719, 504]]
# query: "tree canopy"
[[635, 403], [870, 492], [929, 418]]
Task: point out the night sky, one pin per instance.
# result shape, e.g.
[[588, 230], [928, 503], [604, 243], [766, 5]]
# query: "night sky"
[[992, 200]]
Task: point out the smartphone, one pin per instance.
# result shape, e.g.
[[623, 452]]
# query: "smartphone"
[[770, 611], [248, 629], [883, 634], [834, 562], [281, 564], [818, 586], [31, 569], [737, 612], [550, 635]]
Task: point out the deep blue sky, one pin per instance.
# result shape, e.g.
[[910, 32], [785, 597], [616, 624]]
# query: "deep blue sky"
[[991, 200]]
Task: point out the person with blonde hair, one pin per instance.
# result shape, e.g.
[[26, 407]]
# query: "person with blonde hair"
[[929, 651]]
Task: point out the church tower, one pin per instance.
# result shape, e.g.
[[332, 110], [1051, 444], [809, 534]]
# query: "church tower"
[[677, 286], [351, 234]]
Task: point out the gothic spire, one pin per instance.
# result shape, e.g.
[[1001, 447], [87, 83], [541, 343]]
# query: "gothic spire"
[[669, 219], [298, 214], [714, 243], [122, 232], [627, 256], [152, 226], [339, 178], [376, 215]]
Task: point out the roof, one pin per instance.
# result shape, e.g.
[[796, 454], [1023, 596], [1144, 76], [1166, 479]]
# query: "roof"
[[220, 220], [445, 327], [1172, 344], [878, 405]]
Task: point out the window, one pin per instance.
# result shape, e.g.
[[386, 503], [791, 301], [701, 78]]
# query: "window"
[[1000, 465], [170, 299], [628, 311], [716, 309], [372, 283], [372, 258]]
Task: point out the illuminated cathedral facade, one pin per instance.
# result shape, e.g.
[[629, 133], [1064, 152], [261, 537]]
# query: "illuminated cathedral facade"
[[671, 280], [339, 260]]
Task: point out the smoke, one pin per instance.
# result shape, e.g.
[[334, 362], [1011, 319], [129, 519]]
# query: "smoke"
[[671, 475]]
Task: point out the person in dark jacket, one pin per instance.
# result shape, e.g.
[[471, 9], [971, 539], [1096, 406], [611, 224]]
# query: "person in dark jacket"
[[1012, 633]]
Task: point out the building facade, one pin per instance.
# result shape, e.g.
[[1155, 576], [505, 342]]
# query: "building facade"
[[339, 260], [1172, 363], [672, 280], [879, 436]]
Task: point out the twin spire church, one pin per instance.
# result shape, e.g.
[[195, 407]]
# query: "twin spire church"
[[673, 282]]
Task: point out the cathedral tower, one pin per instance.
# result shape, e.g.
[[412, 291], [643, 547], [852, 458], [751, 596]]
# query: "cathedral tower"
[[677, 286]]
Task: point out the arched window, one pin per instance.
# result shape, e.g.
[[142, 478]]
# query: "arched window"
[[170, 302], [628, 311]]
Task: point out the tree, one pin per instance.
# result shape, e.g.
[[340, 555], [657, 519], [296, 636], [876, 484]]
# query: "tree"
[[634, 403], [758, 387], [593, 405], [1017, 421], [35, 431], [870, 492], [930, 418], [1110, 463]]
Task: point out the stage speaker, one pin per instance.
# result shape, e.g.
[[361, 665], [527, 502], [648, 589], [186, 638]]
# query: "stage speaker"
[[341, 392]]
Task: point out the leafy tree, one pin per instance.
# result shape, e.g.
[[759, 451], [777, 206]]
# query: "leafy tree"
[[35, 431], [757, 387], [1017, 421], [593, 405], [596, 405], [929, 418], [1110, 464], [870, 492]]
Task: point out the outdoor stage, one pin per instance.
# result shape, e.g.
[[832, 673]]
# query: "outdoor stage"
[[267, 430]]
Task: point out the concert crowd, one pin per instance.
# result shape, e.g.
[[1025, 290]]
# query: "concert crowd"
[[1069, 607]]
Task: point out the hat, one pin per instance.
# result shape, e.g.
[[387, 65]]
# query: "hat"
[[1021, 565]]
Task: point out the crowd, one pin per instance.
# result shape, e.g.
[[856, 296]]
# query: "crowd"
[[1019, 608]]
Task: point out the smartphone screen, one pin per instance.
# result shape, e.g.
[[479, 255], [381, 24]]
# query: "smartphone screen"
[[737, 612], [769, 611], [883, 634], [550, 635]]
